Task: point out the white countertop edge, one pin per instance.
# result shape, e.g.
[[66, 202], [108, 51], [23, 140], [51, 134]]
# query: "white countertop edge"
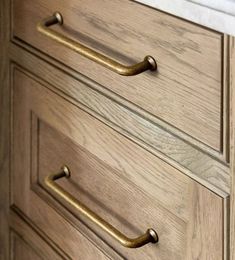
[[214, 19]]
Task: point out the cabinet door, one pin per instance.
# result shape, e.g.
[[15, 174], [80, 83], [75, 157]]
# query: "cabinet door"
[[120, 181]]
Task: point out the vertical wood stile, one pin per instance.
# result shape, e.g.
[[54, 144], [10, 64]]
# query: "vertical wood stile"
[[4, 126]]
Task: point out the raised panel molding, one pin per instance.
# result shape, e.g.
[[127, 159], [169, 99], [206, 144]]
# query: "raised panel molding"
[[222, 152], [193, 205], [80, 237], [214, 169], [39, 189], [190, 159], [21, 250], [24, 230]]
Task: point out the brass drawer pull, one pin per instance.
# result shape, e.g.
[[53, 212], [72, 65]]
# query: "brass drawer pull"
[[149, 236], [44, 27]]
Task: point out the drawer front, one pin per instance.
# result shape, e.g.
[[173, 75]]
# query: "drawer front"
[[186, 90], [121, 182], [26, 244]]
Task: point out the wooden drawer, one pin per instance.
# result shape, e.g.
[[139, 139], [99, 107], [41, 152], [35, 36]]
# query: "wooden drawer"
[[26, 243], [185, 92], [120, 181]]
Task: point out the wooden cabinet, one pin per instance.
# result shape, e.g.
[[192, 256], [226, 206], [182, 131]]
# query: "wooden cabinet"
[[189, 57], [145, 152], [111, 175]]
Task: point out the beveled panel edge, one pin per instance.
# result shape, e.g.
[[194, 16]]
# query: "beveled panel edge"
[[15, 234], [222, 153], [232, 148], [169, 127], [37, 188], [226, 227], [204, 168], [17, 211], [225, 99]]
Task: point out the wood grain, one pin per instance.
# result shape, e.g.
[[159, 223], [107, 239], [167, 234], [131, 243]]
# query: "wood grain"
[[4, 127], [123, 172], [232, 149], [206, 214], [186, 92], [28, 245], [197, 163], [69, 238], [110, 195], [226, 97], [21, 250]]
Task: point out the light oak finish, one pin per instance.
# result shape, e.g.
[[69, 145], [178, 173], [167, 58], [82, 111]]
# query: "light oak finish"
[[232, 149], [118, 179], [149, 133], [187, 90], [153, 150], [26, 244]]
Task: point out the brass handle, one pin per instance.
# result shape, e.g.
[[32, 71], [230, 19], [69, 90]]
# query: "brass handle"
[[148, 63], [149, 236]]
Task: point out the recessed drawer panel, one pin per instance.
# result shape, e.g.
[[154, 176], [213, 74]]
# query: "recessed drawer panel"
[[123, 184], [185, 91]]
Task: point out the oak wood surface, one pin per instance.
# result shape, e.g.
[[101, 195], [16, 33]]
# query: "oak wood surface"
[[187, 90], [22, 250], [123, 171], [226, 114], [199, 163], [198, 209], [232, 149], [28, 245], [4, 127], [70, 239]]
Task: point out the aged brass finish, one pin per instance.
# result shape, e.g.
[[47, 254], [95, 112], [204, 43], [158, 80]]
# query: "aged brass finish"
[[149, 236], [148, 63]]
